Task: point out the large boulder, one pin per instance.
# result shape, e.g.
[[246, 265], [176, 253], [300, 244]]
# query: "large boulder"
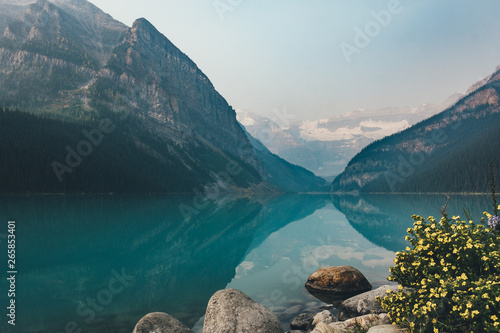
[[159, 322], [231, 311], [332, 284]]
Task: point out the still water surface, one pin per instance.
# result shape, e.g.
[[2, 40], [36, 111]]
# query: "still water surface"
[[99, 263]]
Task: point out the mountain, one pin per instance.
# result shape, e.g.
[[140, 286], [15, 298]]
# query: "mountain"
[[290, 176], [111, 108], [449, 152], [325, 146]]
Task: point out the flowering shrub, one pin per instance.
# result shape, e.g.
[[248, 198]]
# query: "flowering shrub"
[[453, 267]]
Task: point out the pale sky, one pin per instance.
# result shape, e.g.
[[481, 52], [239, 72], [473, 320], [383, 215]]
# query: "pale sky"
[[319, 58]]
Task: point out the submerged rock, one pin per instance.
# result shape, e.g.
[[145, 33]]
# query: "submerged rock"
[[332, 284], [231, 311], [159, 322]]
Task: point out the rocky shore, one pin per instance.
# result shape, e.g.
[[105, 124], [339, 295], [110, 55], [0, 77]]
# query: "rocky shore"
[[350, 307]]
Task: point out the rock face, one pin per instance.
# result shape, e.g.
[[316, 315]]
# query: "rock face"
[[70, 60], [332, 284], [159, 322], [364, 303], [231, 311]]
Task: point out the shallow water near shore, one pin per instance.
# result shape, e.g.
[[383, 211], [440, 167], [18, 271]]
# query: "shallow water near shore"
[[99, 262]]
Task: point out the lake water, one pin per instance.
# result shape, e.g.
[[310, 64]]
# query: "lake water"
[[99, 263]]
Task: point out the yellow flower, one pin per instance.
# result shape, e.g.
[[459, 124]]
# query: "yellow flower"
[[494, 317]]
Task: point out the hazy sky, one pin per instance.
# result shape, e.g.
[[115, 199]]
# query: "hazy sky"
[[317, 58]]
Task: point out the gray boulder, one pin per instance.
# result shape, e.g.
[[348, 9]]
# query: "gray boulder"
[[362, 323], [325, 317], [159, 322], [231, 311], [365, 303], [302, 321], [332, 284]]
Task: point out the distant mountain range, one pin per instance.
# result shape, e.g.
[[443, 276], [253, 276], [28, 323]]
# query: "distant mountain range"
[[325, 146], [449, 152], [96, 106]]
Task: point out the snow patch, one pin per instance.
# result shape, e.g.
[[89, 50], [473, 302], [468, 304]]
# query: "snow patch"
[[312, 131]]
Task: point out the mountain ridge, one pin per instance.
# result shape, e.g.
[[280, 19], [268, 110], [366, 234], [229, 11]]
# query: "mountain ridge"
[[66, 60], [449, 152], [326, 145]]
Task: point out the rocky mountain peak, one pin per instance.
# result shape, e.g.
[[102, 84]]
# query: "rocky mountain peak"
[[68, 60]]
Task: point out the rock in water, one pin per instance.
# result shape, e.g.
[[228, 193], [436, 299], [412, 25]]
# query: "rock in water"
[[159, 322], [231, 311], [332, 284]]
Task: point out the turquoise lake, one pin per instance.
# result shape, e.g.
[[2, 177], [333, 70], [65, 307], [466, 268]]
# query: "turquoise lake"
[[98, 263]]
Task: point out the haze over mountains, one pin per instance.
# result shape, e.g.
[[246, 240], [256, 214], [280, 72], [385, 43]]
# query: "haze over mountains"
[[449, 152], [325, 146], [103, 107]]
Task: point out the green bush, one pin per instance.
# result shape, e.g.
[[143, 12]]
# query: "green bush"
[[453, 268]]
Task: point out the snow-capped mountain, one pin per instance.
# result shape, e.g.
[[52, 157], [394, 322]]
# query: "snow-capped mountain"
[[325, 146]]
